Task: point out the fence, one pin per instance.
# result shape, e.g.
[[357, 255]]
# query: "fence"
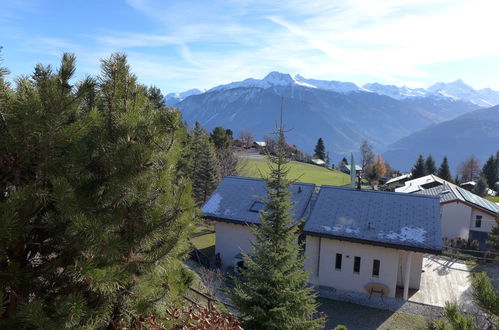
[[478, 255]]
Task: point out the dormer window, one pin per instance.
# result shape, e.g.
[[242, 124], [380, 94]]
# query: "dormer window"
[[257, 206]]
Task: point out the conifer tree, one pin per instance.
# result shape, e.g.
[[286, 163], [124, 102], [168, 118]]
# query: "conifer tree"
[[273, 291], [481, 187], [491, 171], [419, 168], [320, 150], [444, 171], [430, 165], [493, 237], [204, 175], [97, 219]]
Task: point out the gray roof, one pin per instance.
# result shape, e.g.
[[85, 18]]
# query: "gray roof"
[[397, 220], [450, 192], [235, 196]]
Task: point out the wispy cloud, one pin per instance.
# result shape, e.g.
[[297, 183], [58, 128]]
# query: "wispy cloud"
[[204, 43]]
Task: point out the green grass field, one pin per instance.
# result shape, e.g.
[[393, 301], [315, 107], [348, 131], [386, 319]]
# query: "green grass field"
[[301, 172], [494, 199]]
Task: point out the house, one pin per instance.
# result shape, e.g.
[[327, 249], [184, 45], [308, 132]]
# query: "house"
[[357, 240], [345, 168], [464, 214], [397, 182], [366, 241], [418, 184], [318, 161], [470, 186], [235, 204]]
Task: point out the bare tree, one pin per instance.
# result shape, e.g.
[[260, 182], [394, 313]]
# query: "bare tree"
[[246, 138], [367, 156], [212, 280], [469, 170]]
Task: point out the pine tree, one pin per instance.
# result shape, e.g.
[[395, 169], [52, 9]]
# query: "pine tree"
[[481, 187], [273, 291], [430, 165], [444, 171], [320, 150], [97, 219], [491, 171], [419, 169], [220, 138], [493, 237], [204, 174], [484, 294]]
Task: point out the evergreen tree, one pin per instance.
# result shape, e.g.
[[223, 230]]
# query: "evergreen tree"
[[444, 171], [484, 294], [481, 187], [320, 150], [96, 219], [430, 165], [273, 291], [204, 174], [493, 237], [491, 171], [220, 138], [419, 169]]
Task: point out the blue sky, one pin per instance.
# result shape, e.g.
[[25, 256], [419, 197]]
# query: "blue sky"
[[178, 45]]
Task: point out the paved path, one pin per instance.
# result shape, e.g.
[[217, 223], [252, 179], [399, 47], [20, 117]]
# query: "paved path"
[[444, 279]]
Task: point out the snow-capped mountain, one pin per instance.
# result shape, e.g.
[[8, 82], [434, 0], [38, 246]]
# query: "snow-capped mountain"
[[461, 91], [174, 98], [453, 91], [396, 92]]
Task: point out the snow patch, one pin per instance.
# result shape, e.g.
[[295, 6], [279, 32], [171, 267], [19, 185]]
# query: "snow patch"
[[415, 234], [212, 204]]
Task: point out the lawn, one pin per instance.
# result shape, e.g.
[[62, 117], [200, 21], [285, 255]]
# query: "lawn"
[[494, 199], [301, 172]]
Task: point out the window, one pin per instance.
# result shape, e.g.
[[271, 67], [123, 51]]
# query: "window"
[[257, 206], [376, 264], [478, 221], [338, 261], [356, 265]]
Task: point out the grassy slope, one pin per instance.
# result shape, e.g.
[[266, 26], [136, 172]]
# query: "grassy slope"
[[301, 172], [494, 199]]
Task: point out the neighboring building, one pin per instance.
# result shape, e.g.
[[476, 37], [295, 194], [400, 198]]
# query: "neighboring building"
[[235, 204], [470, 186], [358, 240], [259, 144], [346, 168], [397, 182], [376, 239], [464, 214], [422, 183], [318, 161]]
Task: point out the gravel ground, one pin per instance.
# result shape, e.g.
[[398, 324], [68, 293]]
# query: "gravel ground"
[[366, 318], [382, 303]]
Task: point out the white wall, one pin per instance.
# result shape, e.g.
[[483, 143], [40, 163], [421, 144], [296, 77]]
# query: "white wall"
[[323, 270], [488, 221], [416, 269], [455, 220], [231, 239], [458, 219]]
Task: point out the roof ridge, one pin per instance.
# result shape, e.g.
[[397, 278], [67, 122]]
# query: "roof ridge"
[[378, 191], [261, 179]]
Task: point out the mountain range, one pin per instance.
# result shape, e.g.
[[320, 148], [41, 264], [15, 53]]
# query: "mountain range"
[[474, 133], [342, 113]]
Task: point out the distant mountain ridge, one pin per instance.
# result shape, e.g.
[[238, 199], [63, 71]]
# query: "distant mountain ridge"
[[476, 133], [456, 90]]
